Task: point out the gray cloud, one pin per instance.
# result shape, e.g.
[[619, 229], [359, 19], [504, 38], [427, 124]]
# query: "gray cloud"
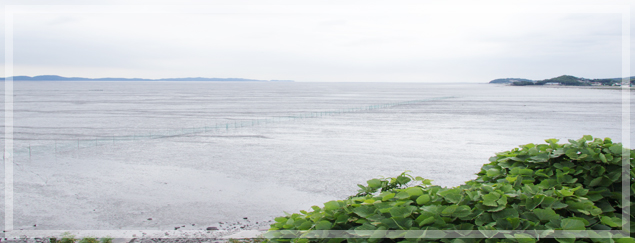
[[320, 47]]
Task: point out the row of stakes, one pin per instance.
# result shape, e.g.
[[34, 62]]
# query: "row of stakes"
[[85, 143]]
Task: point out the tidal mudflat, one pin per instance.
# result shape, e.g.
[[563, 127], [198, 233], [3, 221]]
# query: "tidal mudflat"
[[203, 179]]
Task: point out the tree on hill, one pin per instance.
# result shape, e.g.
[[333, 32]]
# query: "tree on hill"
[[509, 80], [565, 80], [522, 83]]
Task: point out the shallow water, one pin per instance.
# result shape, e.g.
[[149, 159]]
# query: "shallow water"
[[262, 170]]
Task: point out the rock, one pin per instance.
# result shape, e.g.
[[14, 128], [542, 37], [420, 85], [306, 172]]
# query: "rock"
[[244, 217], [212, 228], [175, 228], [149, 218]]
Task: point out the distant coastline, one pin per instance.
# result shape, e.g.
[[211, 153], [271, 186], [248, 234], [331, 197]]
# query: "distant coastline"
[[60, 78], [564, 80]]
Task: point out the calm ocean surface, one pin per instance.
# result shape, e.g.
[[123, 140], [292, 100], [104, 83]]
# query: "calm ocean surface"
[[279, 150]]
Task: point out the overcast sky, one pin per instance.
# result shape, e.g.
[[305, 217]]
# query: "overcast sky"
[[319, 41]]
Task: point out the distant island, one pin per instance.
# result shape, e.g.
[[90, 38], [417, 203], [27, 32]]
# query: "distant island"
[[508, 80], [60, 78], [565, 80]]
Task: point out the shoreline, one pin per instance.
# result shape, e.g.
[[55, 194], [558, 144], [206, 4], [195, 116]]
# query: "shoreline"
[[130, 236], [572, 86]]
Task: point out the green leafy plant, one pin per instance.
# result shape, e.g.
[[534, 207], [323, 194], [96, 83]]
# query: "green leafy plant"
[[537, 190], [89, 240], [247, 240], [105, 240], [67, 238]]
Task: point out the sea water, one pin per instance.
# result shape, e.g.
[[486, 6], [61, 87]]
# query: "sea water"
[[159, 155]]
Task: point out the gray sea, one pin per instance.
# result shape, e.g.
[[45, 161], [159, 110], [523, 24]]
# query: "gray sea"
[[159, 155]]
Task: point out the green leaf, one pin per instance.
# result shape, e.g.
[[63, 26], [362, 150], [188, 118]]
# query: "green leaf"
[[506, 213], [540, 158], [427, 220], [395, 234], [548, 183], [332, 240], [566, 192], [605, 206], [487, 232], [364, 230], [572, 224], [497, 209], [586, 222], [331, 205], [502, 201], [323, 225], [364, 211], [493, 172], [290, 222], [305, 226], [402, 195], [546, 214], [625, 240], [611, 221], [565, 240], [449, 210], [552, 141], [423, 199], [558, 205], [451, 195], [534, 201], [490, 199], [374, 183], [524, 238], [485, 218], [462, 211], [401, 211], [388, 196], [380, 232], [369, 201], [513, 222], [402, 179], [526, 172], [616, 149], [581, 192], [414, 191]]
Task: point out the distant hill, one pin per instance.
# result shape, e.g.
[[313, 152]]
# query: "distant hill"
[[60, 78], [508, 80], [566, 80]]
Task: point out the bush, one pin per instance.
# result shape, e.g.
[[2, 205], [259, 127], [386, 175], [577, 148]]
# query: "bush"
[[89, 240], [535, 190], [67, 237]]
